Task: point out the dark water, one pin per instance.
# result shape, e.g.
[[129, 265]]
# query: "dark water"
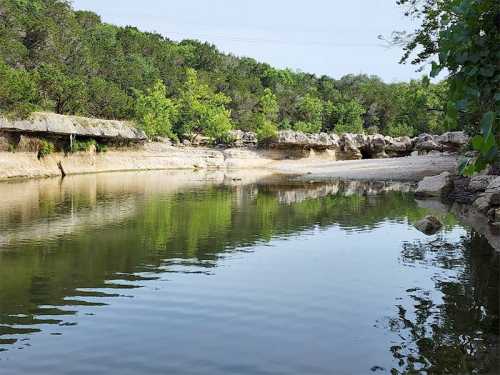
[[151, 274]]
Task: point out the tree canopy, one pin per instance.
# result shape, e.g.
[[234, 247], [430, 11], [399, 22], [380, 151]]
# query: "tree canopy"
[[57, 59], [462, 38]]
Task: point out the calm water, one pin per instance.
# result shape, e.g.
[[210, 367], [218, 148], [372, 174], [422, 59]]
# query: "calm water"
[[156, 274]]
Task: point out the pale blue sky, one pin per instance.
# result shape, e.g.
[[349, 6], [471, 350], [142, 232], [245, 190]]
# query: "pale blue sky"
[[333, 37]]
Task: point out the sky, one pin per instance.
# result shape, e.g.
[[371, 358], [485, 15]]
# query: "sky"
[[332, 37]]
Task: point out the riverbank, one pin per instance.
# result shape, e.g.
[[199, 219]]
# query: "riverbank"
[[316, 166]]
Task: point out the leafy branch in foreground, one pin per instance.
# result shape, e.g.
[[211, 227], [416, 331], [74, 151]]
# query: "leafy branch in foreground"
[[462, 38]]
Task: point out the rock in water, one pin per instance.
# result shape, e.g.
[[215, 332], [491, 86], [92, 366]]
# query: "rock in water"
[[435, 186], [429, 225]]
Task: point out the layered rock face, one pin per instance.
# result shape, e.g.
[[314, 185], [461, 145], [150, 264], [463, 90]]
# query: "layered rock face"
[[359, 146], [59, 125]]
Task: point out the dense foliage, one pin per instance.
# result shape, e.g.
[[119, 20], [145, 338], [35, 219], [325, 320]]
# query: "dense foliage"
[[57, 59], [462, 37]]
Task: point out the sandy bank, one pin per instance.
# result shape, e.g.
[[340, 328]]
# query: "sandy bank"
[[410, 168]]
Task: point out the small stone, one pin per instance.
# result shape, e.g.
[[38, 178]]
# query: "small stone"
[[429, 225]]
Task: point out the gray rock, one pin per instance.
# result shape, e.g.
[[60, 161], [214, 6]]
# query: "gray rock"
[[490, 198], [429, 225], [79, 126], [376, 146], [480, 183], [427, 142], [435, 186], [401, 146], [350, 147], [454, 140]]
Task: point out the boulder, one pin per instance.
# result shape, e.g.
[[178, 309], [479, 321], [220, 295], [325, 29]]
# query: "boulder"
[[400, 146], [480, 183], [239, 138], [350, 147], [490, 198], [429, 225], [376, 146], [427, 142], [435, 186], [454, 141], [320, 141]]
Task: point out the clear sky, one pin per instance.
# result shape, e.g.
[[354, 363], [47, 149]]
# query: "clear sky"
[[333, 37]]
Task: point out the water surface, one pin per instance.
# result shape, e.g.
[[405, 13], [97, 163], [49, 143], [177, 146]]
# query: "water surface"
[[137, 273]]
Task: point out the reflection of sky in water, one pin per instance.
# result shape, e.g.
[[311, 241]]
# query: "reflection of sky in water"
[[310, 287]]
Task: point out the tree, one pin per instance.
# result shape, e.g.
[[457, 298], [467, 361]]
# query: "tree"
[[347, 116], [267, 117], [107, 100], [310, 114], [462, 38], [63, 94], [18, 91], [201, 111], [155, 113]]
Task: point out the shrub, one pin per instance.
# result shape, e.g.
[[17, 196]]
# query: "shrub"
[[45, 148], [400, 130], [82, 146], [307, 127], [101, 148], [266, 131]]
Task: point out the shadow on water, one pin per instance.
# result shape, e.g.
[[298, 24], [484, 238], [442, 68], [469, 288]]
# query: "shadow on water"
[[76, 246], [454, 327]]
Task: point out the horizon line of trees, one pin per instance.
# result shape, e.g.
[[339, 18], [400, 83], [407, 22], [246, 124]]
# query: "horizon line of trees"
[[57, 59]]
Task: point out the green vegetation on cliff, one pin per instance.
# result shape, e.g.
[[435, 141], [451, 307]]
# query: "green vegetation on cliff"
[[57, 59]]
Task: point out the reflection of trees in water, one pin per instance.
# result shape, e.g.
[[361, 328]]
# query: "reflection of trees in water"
[[457, 332]]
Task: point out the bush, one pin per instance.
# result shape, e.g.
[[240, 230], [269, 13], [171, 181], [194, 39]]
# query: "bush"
[[400, 130], [307, 127], [372, 130], [45, 148], [101, 148], [266, 131], [83, 146]]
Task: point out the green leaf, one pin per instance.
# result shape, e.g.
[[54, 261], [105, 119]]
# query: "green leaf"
[[487, 123], [436, 69], [477, 143]]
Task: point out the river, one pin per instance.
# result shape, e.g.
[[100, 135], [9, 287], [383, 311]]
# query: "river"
[[175, 273]]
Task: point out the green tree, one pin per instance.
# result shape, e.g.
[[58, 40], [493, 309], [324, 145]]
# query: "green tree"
[[201, 111], [107, 100], [18, 91], [155, 113], [462, 37], [267, 117], [62, 93], [310, 114], [347, 117]]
